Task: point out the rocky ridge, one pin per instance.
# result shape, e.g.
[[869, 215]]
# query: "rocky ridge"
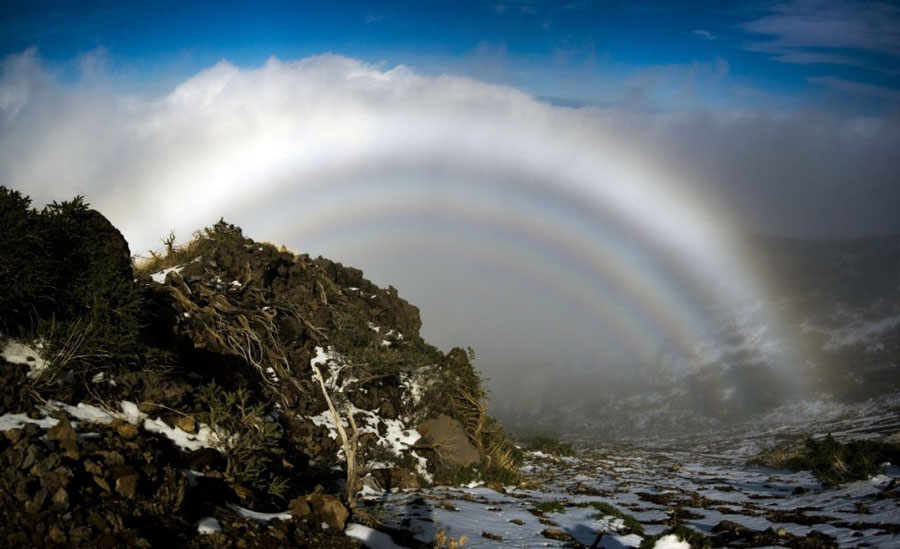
[[203, 398]]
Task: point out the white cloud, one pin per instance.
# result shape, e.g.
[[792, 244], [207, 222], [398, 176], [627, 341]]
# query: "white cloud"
[[518, 226], [801, 29]]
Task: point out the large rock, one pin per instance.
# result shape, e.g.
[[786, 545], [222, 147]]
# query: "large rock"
[[330, 509], [449, 440]]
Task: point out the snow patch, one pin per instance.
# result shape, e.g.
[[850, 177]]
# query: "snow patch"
[[373, 539], [160, 276], [671, 542], [17, 421], [81, 411], [256, 515], [208, 525], [19, 353], [204, 438]]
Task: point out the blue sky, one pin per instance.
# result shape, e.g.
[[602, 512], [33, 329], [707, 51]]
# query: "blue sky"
[[668, 55]]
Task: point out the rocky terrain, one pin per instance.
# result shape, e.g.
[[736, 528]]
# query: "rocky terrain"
[[699, 489], [191, 398]]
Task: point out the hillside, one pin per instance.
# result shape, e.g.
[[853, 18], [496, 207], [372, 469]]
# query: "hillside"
[[219, 385]]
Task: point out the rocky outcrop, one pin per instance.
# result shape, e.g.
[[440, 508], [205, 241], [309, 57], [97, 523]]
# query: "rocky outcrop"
[[178, 397]]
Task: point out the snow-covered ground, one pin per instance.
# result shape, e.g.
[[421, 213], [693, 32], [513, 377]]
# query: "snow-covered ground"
[[703, 481], [649, 485]]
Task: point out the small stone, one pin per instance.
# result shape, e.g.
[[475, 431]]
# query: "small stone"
[[56, 534], [93, 468], [557, 534], [127, 430], [299, 507], [31, 430], [101, 482], [490, 536], [61, 500], [127, 485], [186, 423], [65, 435], [13, 435], [32, 455], [37, 502]]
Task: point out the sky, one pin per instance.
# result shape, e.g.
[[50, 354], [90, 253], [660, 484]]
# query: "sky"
[[550, 182]]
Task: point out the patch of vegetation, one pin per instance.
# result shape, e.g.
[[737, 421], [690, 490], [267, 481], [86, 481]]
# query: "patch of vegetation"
[[202, 243], [456, 475], [550, 506], [67, 284], [444, 541], [631, 524], [549, 444], [834, 463], [362, 346], [249, 440], [504, 475], [684, 533]]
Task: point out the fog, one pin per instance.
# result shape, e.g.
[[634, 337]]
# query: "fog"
[[560, 243]]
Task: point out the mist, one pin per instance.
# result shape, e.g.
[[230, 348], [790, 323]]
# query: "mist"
[[572, 247]]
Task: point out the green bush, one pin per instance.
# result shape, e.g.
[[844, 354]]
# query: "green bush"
[[65, 280], [362, 346], [834, 463], [249, 440], [27, 280]]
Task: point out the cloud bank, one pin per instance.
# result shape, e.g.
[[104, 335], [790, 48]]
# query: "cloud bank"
[[585, 238]]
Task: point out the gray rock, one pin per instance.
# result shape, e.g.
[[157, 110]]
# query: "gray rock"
[[449, 440]]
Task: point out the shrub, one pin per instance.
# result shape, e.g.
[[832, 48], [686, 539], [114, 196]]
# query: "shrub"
[[362, 346], [249, 440], [26, 268], [834, 463], [66, 281]]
